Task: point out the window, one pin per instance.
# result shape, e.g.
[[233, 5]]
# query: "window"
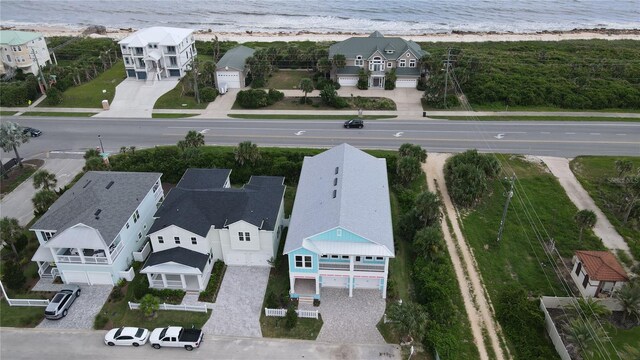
[[578, 268], [368, 257], [127, 225], [244, 236], [338, 232], [335, 256], [194, 241], [357, 258], [160, 240], [156, 186], [136, 216], [412, 63], [171, 49], [335, 181], [8, 58], [586, 281], [145, 226], [403, 63], [126, 60], [337, 169], [345, 256], [177, 240], [334, 193], [47, 235], [139, 235], [379, 258], [210, 257], [173, 61], [324, 256], [389, 64], [303, 261], [358, 61]]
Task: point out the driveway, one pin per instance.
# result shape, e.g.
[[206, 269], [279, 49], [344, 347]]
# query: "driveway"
[[351, 320], [83, 311], [239, 303], [17, 204], [135, 98]]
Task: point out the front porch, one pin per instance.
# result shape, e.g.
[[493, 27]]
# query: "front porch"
[[305, 288], [176, 281]]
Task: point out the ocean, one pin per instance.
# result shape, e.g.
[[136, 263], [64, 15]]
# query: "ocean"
[[292, 16]]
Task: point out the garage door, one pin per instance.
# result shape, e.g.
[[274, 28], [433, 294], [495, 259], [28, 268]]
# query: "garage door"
[[100, 278], [406, 83], [348, 80], [231, 79], [334, 281], [246, 259], [367, 283], [75, 277]]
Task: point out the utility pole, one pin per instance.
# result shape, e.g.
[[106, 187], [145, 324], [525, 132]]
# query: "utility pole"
[[506, 206], [446, 76], [40, 74]]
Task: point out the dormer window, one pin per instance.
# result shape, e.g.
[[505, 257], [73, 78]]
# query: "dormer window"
[[359, 61], [389, 51]]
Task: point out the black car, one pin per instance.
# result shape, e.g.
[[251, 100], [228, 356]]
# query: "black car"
[[32, 132], [354, 123]]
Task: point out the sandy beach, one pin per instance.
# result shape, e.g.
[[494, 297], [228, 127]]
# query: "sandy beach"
[[578, 34]]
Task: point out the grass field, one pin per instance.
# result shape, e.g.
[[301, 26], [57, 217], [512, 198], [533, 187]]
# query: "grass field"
[[174, 100], [536, 118], [595, 173], [62, 114], [620, 337], [20, 316], [293, 103], [7, 113], [89, 94], [285, 79]]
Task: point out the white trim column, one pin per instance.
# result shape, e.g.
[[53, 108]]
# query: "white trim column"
[[350, 285], [164, 280], [150, 280], [184, 283], [292, 283], [81, 254], [317, 284], [351, 266], [200, 282]]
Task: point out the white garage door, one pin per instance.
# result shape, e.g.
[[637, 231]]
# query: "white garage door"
[[348, 80], [76, 277], [406, 83], [335, 281], [230, 78], [367, 283], [100, 278], [240, 258]]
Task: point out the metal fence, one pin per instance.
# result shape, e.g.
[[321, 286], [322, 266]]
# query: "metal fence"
[[309, 314], [196, 308]]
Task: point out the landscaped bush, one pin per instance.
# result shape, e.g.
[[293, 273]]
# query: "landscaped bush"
[[100, 321], [54, 96], [211, 291], [290, 318], [169, 296], [467, 174], [374, 103], [208, 94], [257, 98], [12, 275], [19, 92]]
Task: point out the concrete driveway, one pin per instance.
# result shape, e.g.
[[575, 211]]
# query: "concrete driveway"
[[135, 98], [351, 320], [239, 303], [83, 311], [17, 204]]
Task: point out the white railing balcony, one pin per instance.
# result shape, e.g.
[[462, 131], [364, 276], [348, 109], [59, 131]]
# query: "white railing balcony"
[[334, 266], [143, 253], [96, 260], [363, 267], [68, 259], [117, 250], [171, 284]]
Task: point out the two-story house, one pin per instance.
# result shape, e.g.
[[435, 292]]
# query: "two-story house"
[[22, 50], [203, 219], [89, 234], [377, 54], [340, 234], [158, 52]]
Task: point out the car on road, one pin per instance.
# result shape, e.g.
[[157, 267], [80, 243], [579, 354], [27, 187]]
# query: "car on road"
[[176, 336], [61, 302], [131, 336], [33, 132], [354, 123]]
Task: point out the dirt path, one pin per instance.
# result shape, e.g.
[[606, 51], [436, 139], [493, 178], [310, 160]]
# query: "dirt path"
[[476, 301], [580, 198]]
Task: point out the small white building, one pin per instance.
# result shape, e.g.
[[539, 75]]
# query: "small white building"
[[158, 52], [22, 50], [232, 69], [597, 273], [203, 219]]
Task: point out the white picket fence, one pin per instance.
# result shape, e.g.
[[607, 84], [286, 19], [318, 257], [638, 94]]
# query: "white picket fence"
[[561, 349], [309, 314], [182, 307], [23, 302]]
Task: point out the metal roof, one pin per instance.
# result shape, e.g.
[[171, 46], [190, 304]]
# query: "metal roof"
[[235, 58], [165, 36], [367, 46], [361, 203], [14, 37]]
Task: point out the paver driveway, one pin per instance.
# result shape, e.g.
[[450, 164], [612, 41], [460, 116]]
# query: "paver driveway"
[[239, 303], [351, 320], [84, 309]]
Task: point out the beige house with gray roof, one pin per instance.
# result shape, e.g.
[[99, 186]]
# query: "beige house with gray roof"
[[378, 55], [232, 69]]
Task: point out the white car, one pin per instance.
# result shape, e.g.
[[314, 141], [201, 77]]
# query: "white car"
[[127, 336]]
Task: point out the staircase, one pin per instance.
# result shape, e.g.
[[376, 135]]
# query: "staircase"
[[305, 300]]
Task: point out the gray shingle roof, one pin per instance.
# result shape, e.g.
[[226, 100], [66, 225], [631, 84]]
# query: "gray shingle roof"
[[178, 255], [195, 179], [408, 71], [366, 46], [196, 210], [90, 194], [235, 58], [361, 204]]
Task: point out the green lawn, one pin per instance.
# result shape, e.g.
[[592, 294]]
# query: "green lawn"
[[308, 117], [496, 107], [89, 95], [293, 103], [171, 116], [16, 177], [174, 100], [620, 337], [285, 79], [55, 113], [535, 118], [7, 113], [595, 174], [20, 316]]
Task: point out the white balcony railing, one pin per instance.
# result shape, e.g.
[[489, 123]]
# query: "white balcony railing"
[[171, 284]]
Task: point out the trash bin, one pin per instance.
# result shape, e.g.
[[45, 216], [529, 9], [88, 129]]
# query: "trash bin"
[[424, 113], [105, 104]]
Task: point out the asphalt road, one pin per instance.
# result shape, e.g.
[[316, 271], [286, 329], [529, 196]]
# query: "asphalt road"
[[78, 344], [567, 139]]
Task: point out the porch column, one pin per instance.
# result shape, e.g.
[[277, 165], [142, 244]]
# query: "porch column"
[[317, 284], [184, 284], [351, 262], [386, 267], [350, 285], [81, 254], [164, 280], [150, 279], [39, 268], [292, 282], [200, 282], [384, 287]]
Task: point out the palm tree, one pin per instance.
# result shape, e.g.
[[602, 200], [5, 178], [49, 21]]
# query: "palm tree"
[[247, 152], [339, 61], [589, 306], [584, 334], [11, 137], [429, 243], [629, 296], [44, 179], [43, 200], [306, 85], [10, 229], [193, 139], [585, 219], [427, 204]]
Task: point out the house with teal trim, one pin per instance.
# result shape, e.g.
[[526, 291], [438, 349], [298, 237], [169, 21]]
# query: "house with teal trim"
[[340, 234]]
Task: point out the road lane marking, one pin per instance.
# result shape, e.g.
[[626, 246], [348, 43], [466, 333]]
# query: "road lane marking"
[[594, 133], [570, 133], [204, 131], [300, 132], [398, 134], [621, 134], [499, 136]]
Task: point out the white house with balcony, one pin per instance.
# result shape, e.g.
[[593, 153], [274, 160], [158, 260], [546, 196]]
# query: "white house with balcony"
[[158, 52], [22, 50], [340, 234], [203, 219], [89, 235]]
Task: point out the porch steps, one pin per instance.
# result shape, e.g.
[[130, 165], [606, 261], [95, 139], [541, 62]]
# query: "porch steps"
[[305, 300], [192, 292]]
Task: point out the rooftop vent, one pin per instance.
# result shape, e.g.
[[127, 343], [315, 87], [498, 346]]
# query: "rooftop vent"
[[337, 169], [334, 193], [97, 213], [335, 181], [109, 185], [87, 184]]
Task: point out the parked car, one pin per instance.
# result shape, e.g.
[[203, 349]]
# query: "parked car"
[[33, 132], [61, 302], [127, 336], [176, 336], [354, 123]]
